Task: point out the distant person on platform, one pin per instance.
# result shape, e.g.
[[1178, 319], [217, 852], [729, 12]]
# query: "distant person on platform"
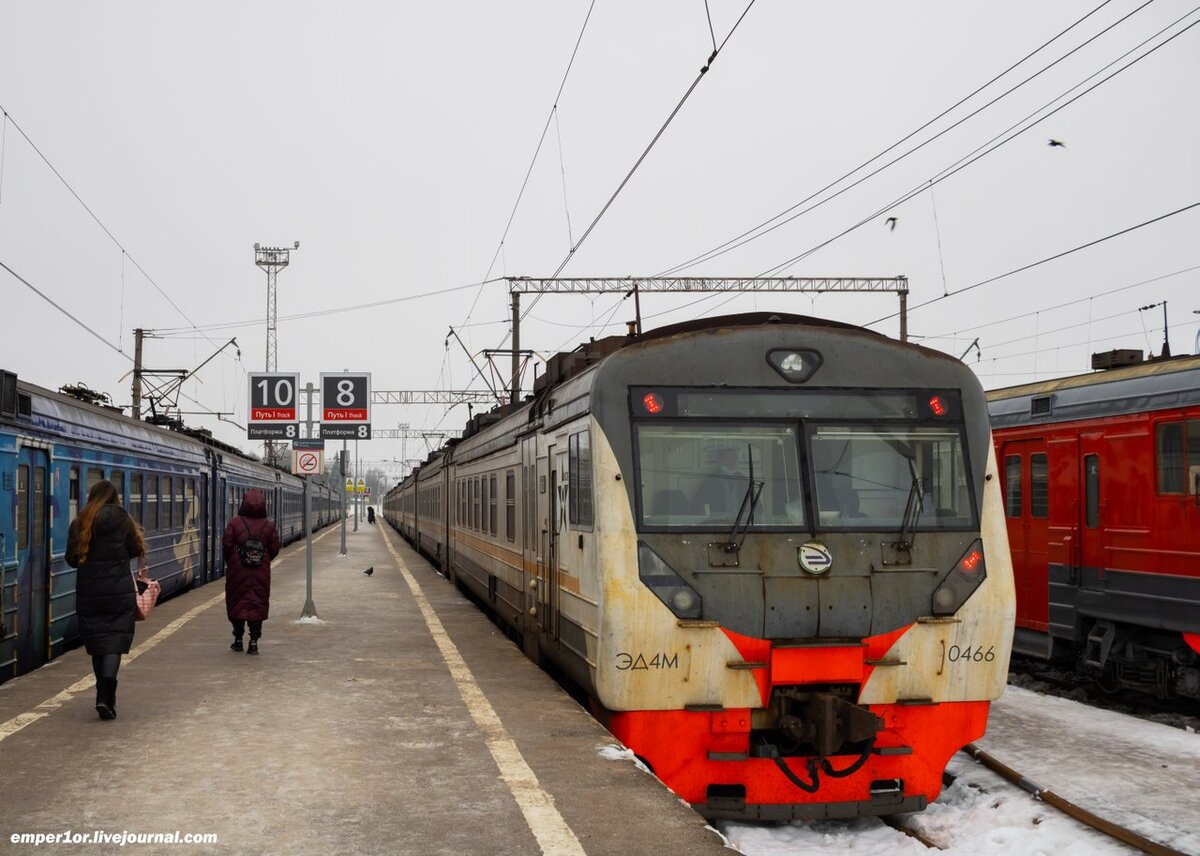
[[100, 543], [250, 542], [371, 514]]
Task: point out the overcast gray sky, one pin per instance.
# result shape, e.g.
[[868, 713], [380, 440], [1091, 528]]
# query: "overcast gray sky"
[[392, 139]]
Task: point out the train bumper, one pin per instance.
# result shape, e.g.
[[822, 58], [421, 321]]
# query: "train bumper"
[[708, 759]]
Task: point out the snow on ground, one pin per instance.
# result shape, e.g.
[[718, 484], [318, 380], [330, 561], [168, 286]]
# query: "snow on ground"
[[1136, 773]]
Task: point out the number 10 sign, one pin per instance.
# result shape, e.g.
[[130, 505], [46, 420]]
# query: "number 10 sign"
[[273, 406]]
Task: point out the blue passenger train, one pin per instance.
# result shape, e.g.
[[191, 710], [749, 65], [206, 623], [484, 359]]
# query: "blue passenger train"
[[181, 486]]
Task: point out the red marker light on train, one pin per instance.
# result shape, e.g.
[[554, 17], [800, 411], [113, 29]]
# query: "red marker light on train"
[[652, 402], [937, 405], [970, 562]]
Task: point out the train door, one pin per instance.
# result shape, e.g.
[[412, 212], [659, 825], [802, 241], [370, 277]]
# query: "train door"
[[33, 558], [1026, 506], [558, 530], [548, 557], [1091, 511]]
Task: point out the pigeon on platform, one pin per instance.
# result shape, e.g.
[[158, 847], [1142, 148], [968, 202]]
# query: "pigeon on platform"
[[1053, 143], [369, 570], [891, 224]]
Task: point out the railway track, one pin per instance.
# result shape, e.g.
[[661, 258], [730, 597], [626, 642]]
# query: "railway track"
[[1113, 830]]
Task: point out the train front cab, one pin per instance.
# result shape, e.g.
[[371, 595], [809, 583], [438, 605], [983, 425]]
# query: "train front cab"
[[757, 687]]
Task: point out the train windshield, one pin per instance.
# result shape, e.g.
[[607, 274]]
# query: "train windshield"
[[701, 475], [859, 462], [869, 477]]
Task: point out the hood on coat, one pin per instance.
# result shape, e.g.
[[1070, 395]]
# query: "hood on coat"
[[254, 504]]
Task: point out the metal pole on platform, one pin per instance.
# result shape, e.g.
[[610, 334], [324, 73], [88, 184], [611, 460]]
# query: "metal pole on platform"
[[310, 608], [355, 485], [342, 469]]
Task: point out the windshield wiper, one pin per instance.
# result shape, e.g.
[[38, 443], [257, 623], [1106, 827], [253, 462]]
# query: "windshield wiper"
[[749, 503], [912, 508]]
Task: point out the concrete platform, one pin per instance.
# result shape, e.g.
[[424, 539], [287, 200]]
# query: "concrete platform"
[[404, 723]]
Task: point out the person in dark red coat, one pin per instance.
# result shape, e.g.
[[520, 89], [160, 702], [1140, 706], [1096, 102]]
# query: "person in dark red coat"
[[101, 541], [250, 543]]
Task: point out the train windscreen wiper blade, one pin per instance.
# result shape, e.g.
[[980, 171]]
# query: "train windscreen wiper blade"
[[913, 507], [749, 503]]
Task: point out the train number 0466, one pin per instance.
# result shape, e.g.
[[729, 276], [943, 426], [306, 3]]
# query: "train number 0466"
[[971, 654], [633, 662]]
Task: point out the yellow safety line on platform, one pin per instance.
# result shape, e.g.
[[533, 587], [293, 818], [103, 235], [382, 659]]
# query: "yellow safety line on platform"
[[21, 720], [547, 825]]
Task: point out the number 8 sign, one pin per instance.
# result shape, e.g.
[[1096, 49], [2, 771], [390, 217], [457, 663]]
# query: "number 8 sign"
[[346, 405]]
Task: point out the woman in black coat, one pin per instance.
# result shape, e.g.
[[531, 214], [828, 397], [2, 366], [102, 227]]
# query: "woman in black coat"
[[250, 543], [100, 543]]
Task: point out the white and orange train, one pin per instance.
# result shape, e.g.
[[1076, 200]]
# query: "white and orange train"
[[771, 549]]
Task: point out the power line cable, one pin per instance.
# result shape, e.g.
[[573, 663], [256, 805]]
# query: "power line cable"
[[337, 310], [983, 150], [977, 327], [1032, 265], [528, 172], [94, 217], [686, 95], [745, 237]]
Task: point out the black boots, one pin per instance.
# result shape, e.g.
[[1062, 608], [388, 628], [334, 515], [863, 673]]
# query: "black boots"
[[237, 644], [106, 698], [253, 649]]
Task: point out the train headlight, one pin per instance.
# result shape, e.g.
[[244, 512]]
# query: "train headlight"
[[667, 585], [795, 365], [967, 575]]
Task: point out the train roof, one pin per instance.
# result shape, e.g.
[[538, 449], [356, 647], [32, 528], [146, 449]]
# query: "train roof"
[[121, 425], [1156, 385]]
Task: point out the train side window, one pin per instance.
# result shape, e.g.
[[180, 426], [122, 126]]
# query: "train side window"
[[118, 479], [1039, 486], [39, 507], [22, 506], [151, 504], [135, 498], [579, 478], [1193, 456], [94, 477], [1012, 486], [492, 510], [165, 507], [1091, 475], [1169, 454], [189, 498], [180, 509], [73, 495], [510, 506]]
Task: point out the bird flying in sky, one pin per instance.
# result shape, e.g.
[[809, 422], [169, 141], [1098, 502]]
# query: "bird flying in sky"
[[1053, 143], [891, 223]]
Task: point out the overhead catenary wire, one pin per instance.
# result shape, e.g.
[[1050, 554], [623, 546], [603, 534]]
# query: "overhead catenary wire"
[[767, 228], [1040, 262], [532, 161], [97, 335], [98, 221], [984, 150]]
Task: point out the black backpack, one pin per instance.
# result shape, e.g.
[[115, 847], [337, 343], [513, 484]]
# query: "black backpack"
[[252, 552]]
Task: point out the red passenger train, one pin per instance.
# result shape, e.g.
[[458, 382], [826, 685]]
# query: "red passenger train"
[[1101, 479]]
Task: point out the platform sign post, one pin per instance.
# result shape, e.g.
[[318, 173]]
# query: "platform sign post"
[[308, 459]]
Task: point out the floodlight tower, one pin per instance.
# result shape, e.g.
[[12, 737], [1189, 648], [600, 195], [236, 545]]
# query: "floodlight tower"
[[272, 260]]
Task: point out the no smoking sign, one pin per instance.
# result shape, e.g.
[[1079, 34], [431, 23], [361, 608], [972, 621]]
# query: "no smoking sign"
[[307, 462]]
